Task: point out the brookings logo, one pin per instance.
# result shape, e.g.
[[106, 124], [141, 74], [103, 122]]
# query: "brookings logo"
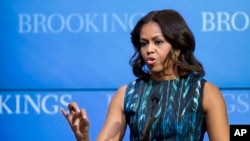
[[237, 103], [76, 22], [30, 103], [225, 21]]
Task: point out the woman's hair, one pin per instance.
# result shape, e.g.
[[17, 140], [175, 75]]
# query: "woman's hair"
[[177, 33]]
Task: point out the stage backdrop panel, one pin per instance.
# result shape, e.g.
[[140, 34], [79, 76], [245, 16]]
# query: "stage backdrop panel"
[[78, 44], [56, 52], [35, 115]]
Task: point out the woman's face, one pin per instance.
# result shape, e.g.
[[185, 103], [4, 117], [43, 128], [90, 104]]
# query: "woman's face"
[[155, 49]]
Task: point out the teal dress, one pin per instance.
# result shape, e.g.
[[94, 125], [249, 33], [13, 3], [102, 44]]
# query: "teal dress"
[[179, 114]]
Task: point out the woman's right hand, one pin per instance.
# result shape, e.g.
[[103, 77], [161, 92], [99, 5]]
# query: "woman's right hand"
[[78, 121]]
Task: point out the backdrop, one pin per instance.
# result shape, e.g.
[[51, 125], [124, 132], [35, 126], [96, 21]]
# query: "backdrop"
[[55, 52]]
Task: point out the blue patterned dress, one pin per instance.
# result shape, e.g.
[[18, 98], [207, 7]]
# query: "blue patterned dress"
[[179, 113]]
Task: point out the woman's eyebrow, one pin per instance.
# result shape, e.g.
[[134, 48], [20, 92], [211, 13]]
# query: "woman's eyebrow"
[[154, 37]]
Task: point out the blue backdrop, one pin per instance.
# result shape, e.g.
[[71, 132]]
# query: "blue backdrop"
[[55, 52]]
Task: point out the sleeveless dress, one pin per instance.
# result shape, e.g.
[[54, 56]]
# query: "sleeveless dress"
[[179, 114]]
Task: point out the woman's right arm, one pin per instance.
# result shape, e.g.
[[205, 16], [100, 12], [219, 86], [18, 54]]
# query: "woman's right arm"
[[115, 123], [114, 126]]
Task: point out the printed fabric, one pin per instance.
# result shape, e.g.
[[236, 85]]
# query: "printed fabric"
[[178, 115]]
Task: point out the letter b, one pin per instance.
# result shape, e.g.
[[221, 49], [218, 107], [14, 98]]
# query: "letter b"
[[208, 21], [24, 23]]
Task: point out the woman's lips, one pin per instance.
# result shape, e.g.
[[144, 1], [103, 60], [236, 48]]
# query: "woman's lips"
[[150, 61]]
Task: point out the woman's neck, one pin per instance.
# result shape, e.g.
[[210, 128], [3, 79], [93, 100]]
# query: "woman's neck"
[[165, 76]]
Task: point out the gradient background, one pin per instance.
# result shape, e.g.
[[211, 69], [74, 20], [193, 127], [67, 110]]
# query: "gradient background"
[[41, 72]]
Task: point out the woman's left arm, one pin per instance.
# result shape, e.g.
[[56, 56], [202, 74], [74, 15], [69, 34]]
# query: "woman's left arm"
[[215, 113]]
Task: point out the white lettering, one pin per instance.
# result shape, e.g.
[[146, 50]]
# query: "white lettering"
[[69, 23], [242, 100], [25, 104], [90, 23], [18, 97], [39, 21], [24, 23], [239, 132], [3, 104], [237, 102], [50, 24], [29, 101], [65, 99], [104, 22], [208, 21], [246, 21], [117, 19], [230, 98], [243, 131], [44, 103], [224, 21], [76, 23]]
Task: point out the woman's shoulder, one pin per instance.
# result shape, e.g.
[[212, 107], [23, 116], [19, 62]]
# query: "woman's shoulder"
[[210, 87], [121, 90], [212, 95]]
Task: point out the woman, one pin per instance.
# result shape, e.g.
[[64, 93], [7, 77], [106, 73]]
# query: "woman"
[[185, 104]]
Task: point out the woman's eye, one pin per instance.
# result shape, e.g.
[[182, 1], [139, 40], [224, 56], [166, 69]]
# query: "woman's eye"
[[158, 42], [143, 44]]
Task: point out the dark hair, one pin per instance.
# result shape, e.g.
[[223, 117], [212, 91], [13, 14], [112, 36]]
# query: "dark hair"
[[177, 33]]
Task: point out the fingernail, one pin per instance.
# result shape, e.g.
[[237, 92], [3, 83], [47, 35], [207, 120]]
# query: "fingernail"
[[84, 116]]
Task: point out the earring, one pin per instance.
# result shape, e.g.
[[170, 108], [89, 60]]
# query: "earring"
[[176, 57]]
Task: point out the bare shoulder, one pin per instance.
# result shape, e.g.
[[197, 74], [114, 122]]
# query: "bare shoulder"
[[120, 92], [118, 97], [212, 96], [209, 87]]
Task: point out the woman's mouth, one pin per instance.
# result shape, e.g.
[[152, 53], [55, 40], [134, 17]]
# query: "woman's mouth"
[[150, 61]]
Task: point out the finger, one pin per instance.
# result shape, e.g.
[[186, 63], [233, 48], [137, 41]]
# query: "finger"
[[79, 116], [65, 114], [84, 123], [75, 118], [76, 121], [73, 107], [83, 114]]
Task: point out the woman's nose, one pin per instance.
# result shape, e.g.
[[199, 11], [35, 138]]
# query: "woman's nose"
[[150, 49]]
